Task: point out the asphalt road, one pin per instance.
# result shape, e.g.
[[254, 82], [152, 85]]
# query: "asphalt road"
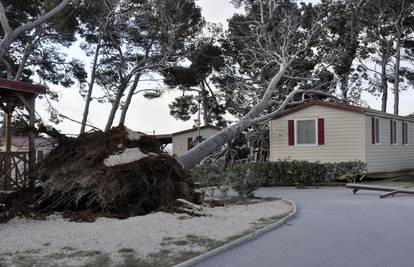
[[333, 228]]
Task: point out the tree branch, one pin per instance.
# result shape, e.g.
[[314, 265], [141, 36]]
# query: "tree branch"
[[288, 101], [26, 27], [10, 35], [3, 20], [9, 69]]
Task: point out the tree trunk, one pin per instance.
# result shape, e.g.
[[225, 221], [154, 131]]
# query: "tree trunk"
[[344, 85], [261, 11], [384, 80], [22, 65], [115, 105], [193, 157], [90, 89], [397, 72], [205, 104], [128, 99], [5, 45], [29, 50], [207, 147]]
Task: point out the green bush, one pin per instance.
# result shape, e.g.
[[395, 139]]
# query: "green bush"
[[244, 180], [247, 177], [288, 173], [210, 176], [348, 170]]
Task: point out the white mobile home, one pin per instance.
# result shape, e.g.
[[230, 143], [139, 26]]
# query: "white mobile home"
[[183, 141], [330, 132]]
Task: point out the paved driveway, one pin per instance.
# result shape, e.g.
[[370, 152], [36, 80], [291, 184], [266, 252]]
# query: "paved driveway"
[[333, 228]]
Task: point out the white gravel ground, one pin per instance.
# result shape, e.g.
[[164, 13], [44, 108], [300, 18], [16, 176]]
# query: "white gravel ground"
[[44, 240]]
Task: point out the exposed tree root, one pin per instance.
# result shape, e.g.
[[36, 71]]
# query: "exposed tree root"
[[76, 178]]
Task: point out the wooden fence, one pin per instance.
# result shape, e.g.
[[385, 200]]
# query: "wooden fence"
[[14, 168]]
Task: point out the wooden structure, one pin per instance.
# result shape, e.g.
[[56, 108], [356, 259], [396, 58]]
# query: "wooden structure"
[[391, 191], [15, 166]]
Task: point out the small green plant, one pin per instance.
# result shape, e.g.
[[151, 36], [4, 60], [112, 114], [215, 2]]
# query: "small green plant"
[[244, 180]]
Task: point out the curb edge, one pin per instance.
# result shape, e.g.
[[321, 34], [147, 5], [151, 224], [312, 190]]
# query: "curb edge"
[[241, 240]]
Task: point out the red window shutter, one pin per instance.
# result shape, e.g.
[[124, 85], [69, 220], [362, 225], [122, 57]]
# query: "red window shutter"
[[291, 132], [392, 132], [321, 131], [403, 133], [373, 130], [406, 133], [189, 143]]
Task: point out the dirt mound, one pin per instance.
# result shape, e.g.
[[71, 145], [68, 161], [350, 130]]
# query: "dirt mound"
[[119, 172]]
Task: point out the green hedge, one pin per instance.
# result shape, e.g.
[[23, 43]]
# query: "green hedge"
[[247, 177], [287, 173]]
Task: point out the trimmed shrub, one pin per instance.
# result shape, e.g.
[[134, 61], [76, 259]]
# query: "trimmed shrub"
[[288, 173], [247, 177]]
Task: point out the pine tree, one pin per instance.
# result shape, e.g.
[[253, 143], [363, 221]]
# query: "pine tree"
[[195, 82]]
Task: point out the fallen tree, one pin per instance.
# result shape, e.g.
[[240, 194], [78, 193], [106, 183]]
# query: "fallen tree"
[[125, 173], [120, 172], [279, 50]]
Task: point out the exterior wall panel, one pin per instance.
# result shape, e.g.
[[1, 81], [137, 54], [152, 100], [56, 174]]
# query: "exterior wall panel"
[[343, 136], [180, 142], [387, 157]]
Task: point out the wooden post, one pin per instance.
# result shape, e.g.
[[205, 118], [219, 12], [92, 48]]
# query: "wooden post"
[[392, 190], [8, 136], [392, 193], [32, 145]]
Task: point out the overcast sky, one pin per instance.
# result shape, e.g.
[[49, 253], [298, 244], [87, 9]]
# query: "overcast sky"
[[153, 115]]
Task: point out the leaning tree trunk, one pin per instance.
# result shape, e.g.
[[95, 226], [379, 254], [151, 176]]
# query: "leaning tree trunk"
[[23, 62], [115, 105], [207, 147], [129, 99], [90, 89], [5, 44], [193, 157]]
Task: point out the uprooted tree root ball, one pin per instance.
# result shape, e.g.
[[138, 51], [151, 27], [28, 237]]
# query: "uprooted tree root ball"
[[120, 173]]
